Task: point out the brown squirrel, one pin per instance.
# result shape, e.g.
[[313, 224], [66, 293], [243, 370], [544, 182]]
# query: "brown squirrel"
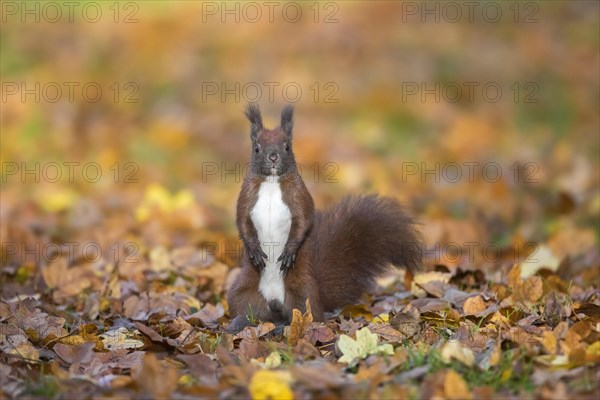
[[292, 253]]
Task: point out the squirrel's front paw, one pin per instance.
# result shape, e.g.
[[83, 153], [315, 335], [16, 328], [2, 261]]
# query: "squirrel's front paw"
[[287, 258], [257, 256]]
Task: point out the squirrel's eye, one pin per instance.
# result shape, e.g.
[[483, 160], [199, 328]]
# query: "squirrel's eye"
[[287, 147], [256, 149]]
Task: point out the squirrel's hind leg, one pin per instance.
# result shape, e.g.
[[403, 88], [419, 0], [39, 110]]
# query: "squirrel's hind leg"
[[244, 298]]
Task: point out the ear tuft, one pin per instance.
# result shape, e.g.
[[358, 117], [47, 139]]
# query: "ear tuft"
[[253, 114], [287, 119]]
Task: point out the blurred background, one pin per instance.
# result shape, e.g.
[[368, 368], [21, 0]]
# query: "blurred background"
[[124, 121]]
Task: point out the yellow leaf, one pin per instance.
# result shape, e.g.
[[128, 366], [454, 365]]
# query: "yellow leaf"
[[57, 200], [592, 353], [160, 259], [72, 340], [383, 318], [158, 197], [273, 360], [266, 384], [183, 199], [455, 386], [186, 380]]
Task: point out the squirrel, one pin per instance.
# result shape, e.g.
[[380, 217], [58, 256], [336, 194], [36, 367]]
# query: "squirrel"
[[292, 252]]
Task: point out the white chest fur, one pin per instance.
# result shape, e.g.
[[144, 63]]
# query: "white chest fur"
[[272, 219]]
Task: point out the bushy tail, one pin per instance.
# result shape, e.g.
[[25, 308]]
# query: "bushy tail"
[[357, 240]]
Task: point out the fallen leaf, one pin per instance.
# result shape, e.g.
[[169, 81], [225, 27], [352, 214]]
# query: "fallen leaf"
[[532, 289], [387, 333], [202, 367], [455, 350], [549, 342], [318, 375], [474, 305], [406, 324], [121, 338], [421, 279], [366, 343], [541, 258], [455, 386], [266, 384], [156, 378], [82, 353], [299, 324], [66, 282], [208, 315], [591, 309]]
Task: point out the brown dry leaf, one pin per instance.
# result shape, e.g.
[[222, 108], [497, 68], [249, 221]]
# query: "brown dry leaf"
[[208, 315], [300, 324], [19, 346], [435, 288], [173, 328], [82, 353], [548, 340], [530, 290], [305, 350], [388, 333], [187, 341], [591, 309], [320, 333], [215, 274], [572, 241], [318, 375], [474, 305], [253, 348], [421, 279], [140, 307], [455, 386], [255, 332], [514, 278], [406, 323], [202, 367], [66, 282], [157, 378], [554, 311], [151, 333]]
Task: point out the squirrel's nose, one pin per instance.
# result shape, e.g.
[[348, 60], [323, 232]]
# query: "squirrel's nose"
[[273, 157]]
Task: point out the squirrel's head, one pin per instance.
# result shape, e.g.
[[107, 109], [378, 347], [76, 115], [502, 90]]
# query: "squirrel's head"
[[271, 149]]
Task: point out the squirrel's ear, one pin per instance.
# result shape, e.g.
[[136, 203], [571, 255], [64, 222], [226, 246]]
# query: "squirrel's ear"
[[253, 115], [287, 119]]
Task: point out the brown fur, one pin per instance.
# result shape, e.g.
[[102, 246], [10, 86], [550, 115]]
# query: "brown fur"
[[339, 252]]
